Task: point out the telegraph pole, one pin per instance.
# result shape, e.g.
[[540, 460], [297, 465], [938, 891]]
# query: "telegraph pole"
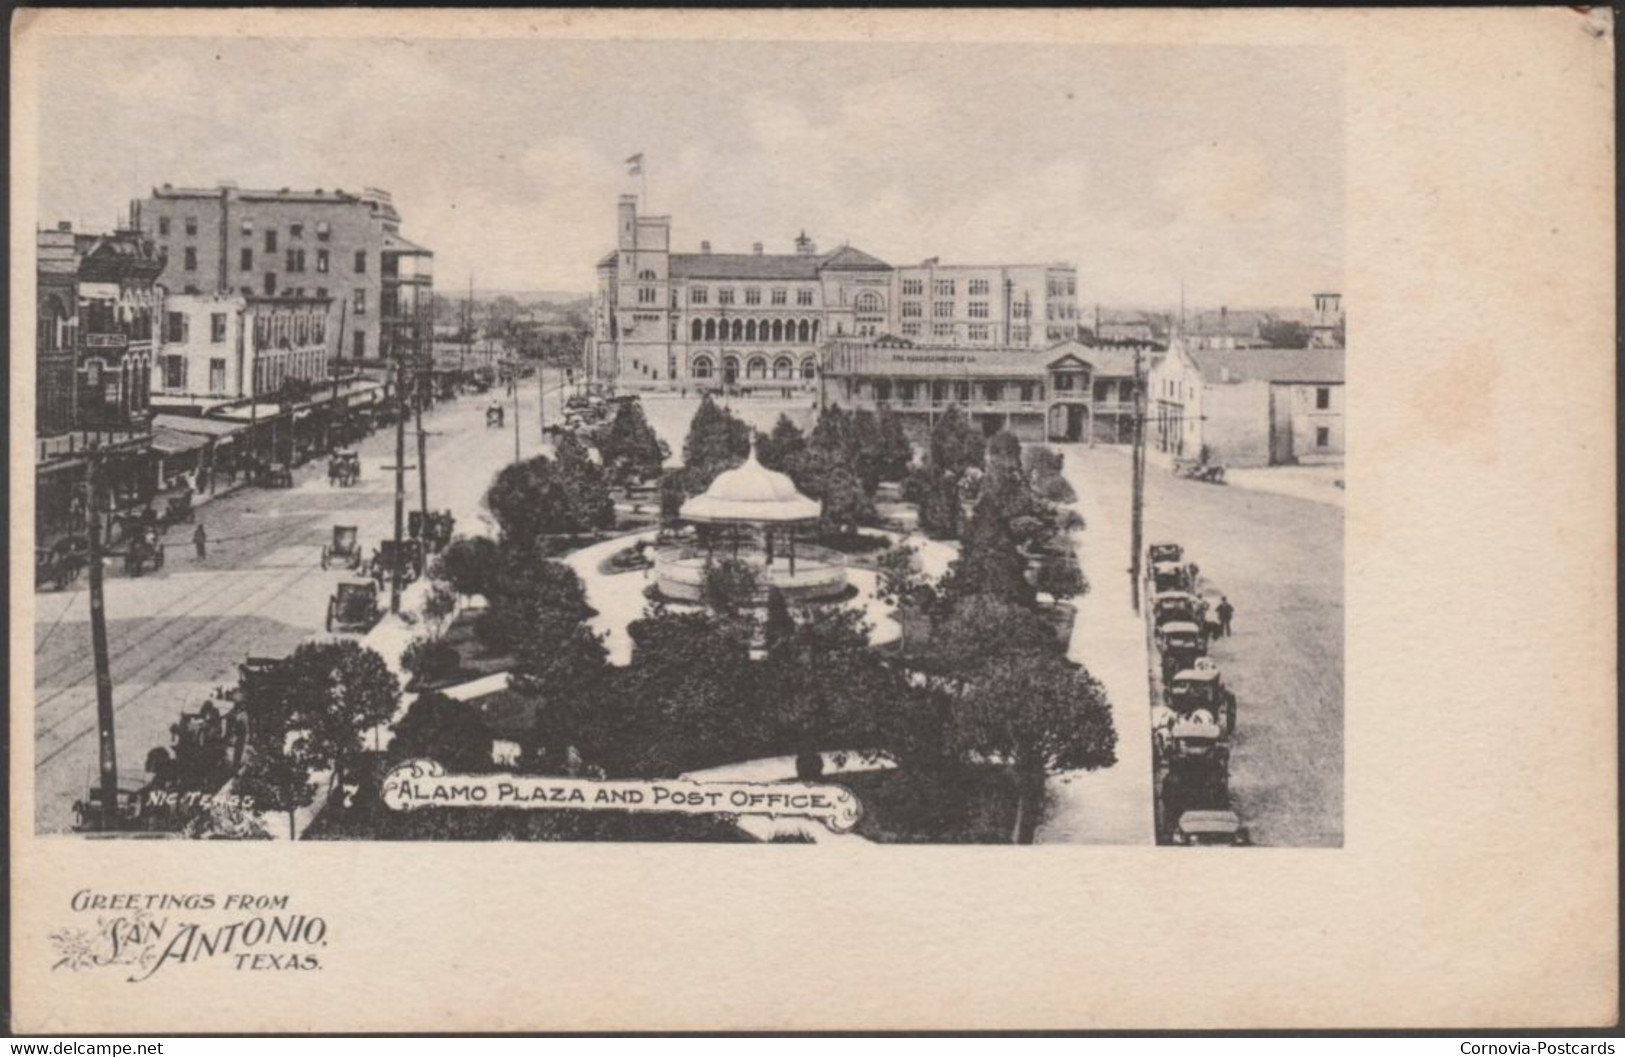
[[98, 646], [400, 485], [1139, 479]]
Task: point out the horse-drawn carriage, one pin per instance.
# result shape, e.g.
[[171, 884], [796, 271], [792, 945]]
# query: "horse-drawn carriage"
[[494, 416], [353, 607], [177, 505], [143, 548], [265, 474], [1201, 470], [382, 568], [433, 530], [343, 468], [344, 550], [61, 563]]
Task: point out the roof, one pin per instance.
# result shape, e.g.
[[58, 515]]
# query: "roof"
[[751, 492], [1195, 675], [1108, 361], [395, 243], [940, 363], [1209, 822], [1290, 366], [174, 441], [208, 427], [1180, 627], [787, 266]]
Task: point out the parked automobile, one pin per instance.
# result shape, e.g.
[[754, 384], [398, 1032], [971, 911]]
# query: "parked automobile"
[[1210, 828]]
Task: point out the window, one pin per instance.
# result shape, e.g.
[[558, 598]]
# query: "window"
[[361, 301], [779, 295], [992, 392], [911, 330], [217, 327], [296, 260], [175, 327], [321, 291], [248, 226], [978, 310], [1063, 383], [943, 288], [217, 375], [191, 259], [190, 289], [247, 259], [163, 225], [1323, 400], [913, 310], [942, 330], [1323, 437], [913, 287], [270, 283], [978, 288], [1022, 309], [1021, 335], [191, 225], [296, 231], [1072, 287], [725, 296], [699, 295], [321, 260], [270, 240], [905, 391], [942, 308], [977, 332], [753, 296], [804, 297], [361, 262], [646, 295], [322, 230], [1026, 392], [174, 372]]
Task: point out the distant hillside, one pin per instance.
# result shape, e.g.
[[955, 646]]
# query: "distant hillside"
[[527, 297]]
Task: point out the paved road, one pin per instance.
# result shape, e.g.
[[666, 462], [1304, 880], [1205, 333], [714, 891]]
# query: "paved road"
[[1280, 561], [174, 635]]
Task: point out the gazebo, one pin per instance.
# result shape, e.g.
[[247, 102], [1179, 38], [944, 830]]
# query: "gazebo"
[[755, 503]]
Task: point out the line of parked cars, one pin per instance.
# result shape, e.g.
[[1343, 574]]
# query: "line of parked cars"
[[1196, 717]]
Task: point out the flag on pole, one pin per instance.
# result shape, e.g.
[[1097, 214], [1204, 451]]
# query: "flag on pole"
[[634, 165]]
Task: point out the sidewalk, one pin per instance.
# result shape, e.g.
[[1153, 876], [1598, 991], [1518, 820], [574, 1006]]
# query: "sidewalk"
[[1114, 805]]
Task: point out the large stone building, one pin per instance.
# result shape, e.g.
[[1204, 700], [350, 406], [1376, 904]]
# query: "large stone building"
[[1248, 407], [341, 246], [221, 348], [756, 320]]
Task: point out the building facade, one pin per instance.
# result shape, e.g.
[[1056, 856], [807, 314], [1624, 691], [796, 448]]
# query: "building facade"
[[220, 348], [342, 247], [1248, 407], [756, 321], [1069, 392]]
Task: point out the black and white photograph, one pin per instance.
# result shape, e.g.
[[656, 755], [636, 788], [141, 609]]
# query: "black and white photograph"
[[869, 455]]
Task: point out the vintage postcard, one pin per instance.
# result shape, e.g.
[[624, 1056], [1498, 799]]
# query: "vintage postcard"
[[1122, 494]]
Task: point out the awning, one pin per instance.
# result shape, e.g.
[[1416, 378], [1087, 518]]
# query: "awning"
[[174, 442], [206, 427]]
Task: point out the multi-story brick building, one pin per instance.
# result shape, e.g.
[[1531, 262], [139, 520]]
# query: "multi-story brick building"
[[336, 245], [220, 348], [756, 320]]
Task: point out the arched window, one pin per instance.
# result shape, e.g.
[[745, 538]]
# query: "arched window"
[[868, 301], [804, 331], [809, 368], [757, 367], [710, 330], [646, 276], [698, 330], [750, 330], [739, 330], [815, 330], [784, 368], [778, 330], [702, 367], [730, 369]]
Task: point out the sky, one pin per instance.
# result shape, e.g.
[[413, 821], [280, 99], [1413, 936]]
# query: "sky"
[[1218, 167]]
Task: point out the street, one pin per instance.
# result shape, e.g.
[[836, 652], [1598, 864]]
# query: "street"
[[175, 635], [1279, 559]]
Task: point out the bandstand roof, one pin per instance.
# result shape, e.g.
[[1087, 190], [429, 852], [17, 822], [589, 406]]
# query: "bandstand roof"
[[751, 493]]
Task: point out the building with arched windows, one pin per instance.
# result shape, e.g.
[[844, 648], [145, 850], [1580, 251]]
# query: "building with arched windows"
[[756, 321]]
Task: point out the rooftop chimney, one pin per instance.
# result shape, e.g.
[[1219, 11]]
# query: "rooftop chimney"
[[64, 225], [705, 247], [756, 248]]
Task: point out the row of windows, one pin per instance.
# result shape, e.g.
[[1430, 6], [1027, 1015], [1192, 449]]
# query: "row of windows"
[[756, 368], [957, 392], [801, 331], [295, 231], [701, 295]]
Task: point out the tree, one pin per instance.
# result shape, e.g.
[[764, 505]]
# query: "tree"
[[1040, 715], [822, 474], [630, 448], [936, 493], [780, 625], [470, 565], [895, 452], [716, 441], [1284, 334], [276, 780], [955, 445], [730, 587], [981, 629], [325, 696], [531, 591], [543, 497], [990, 556], [776, 449], [565, 668], [1061, 578], [431, 660], [437, 728]]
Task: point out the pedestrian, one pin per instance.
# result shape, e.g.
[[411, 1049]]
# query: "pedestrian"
[[1225, 611], [200, 539]]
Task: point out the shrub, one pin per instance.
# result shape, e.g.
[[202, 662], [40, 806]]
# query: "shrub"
[[431, 660]]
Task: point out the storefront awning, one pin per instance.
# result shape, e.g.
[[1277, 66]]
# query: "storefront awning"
[[174, 442], [205, 427]]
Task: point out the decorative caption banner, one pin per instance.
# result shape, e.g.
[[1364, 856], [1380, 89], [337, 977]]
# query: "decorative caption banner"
[[424, 783]]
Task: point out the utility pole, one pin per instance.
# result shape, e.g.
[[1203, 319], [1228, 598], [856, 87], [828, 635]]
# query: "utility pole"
[[98, 646], [1139, 478], [541, 396], [513, 372], [400, 485]]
